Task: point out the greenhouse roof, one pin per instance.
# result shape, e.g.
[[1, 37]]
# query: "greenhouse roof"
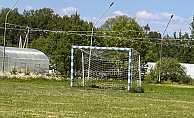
[[24, 53]]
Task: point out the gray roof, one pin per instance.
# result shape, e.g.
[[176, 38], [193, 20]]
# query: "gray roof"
[[24, 53]]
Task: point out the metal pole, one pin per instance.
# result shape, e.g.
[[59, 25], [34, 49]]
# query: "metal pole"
[[92, 37], [139, 70], [3, 64], [129, 71], [90, 53], [72, 59], [159, 79], [83, 77]]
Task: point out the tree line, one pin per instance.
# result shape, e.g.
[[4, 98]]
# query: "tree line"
[[54, 35]]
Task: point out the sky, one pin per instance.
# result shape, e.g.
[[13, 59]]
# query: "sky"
[[156, 13]]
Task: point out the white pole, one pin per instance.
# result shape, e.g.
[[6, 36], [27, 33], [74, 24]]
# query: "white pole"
[[129, 71], [26, 39], [3, 64], [159, 79], [90, 53], [72, 81], [92, 37], [20, 43], [139, 71], [83, 69]]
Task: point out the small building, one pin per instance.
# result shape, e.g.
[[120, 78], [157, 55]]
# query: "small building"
[[189, 68], [23, 60]]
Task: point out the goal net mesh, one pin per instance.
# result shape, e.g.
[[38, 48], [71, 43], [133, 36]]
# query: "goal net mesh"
[[105, 68]]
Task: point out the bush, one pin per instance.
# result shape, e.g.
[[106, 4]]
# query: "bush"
[[171, 71], [14, 71], [27, 72], [151, 77], [137, 90]]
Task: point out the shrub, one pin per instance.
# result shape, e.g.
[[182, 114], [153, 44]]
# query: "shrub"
[[137, 90], [14, 71], [171, 70], [27, 72]]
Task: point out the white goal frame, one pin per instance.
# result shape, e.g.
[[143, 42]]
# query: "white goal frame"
[[129, 50]]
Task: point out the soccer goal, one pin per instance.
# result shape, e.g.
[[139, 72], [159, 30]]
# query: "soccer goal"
[[105, 67]]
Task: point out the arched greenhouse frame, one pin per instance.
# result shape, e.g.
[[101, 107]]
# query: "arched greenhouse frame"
[[23, 59]]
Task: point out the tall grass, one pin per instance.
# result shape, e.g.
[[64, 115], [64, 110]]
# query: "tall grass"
[[51, 98]]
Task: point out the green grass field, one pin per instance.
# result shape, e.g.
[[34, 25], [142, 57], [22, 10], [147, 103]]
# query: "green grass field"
[[46, 98]]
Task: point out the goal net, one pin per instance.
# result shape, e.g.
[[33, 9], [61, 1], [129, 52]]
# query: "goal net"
[[105, 67]]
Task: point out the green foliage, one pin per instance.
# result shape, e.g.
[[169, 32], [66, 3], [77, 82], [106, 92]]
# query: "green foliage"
[[146, 28], [137, 90], [151, 77], [58, 48], [1, 40], [14, 18], [14, 71], [120, 31], [27, 72], [123, 25], [154, 34], [171, 70]]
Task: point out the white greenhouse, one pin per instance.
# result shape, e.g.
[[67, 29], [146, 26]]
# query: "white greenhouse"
[[23, 60]]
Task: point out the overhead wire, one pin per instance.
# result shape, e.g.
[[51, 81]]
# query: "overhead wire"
[[106, 34]]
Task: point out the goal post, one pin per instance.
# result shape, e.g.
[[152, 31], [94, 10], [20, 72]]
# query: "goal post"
[[106, 64]]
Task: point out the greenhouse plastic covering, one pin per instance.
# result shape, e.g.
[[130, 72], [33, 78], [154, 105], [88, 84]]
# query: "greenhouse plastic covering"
[[24, 53]]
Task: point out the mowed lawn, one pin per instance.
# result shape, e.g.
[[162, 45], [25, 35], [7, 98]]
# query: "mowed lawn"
[[51, 98]]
